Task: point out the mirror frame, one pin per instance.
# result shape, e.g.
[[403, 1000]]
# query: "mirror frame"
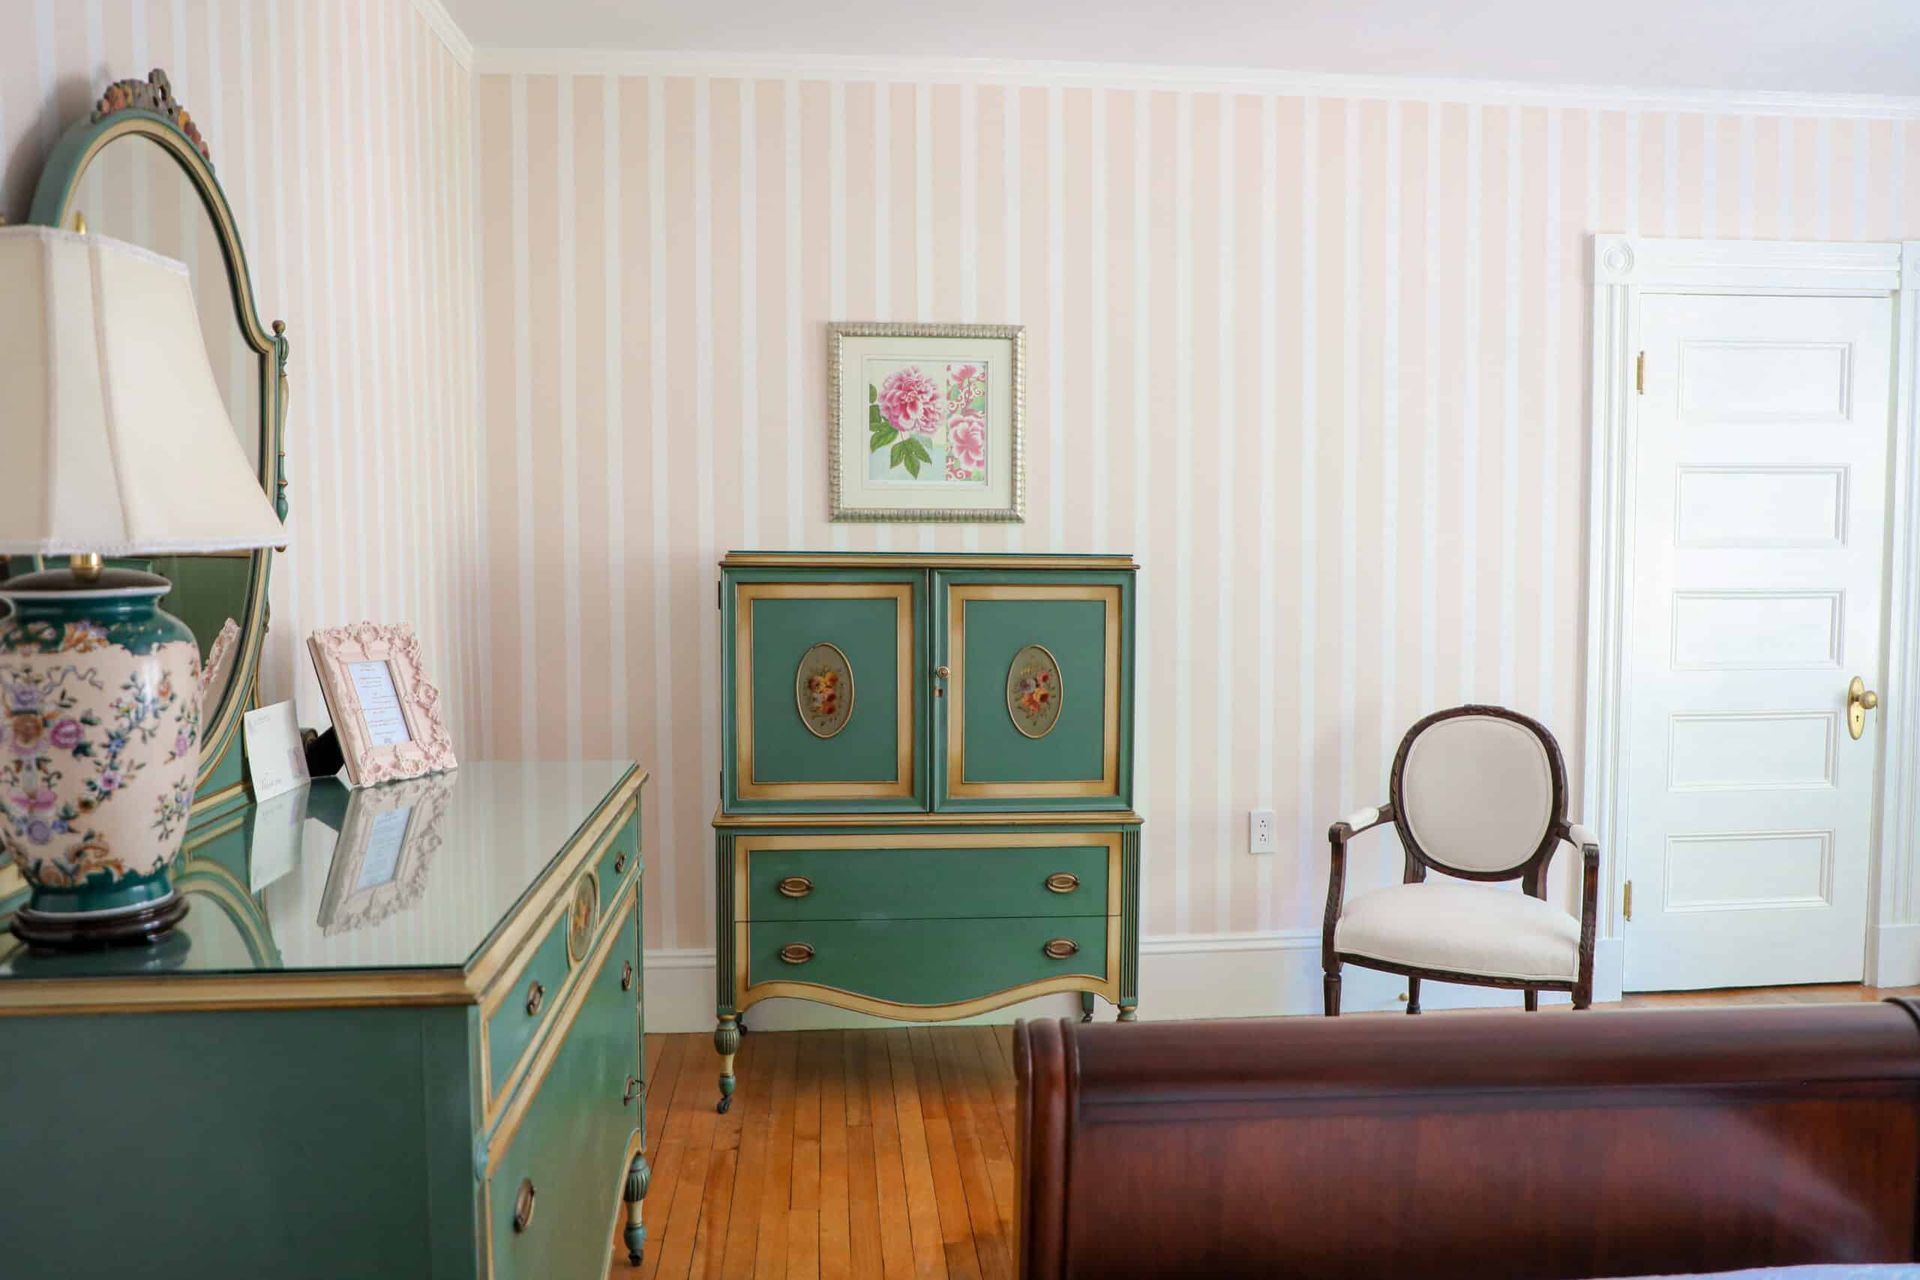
[[146, 109]]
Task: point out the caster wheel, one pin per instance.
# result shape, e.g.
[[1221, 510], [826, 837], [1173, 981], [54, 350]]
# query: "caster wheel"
[[1086, 1017], [724, 1105]]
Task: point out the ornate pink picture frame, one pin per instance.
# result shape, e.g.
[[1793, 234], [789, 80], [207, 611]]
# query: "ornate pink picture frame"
[[384, 709]]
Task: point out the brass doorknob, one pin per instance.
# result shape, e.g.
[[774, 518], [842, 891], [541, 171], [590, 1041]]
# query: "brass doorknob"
[[943, 671], [1860, 700]]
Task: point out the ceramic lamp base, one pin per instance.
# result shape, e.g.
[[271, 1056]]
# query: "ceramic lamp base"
[[91, 931]]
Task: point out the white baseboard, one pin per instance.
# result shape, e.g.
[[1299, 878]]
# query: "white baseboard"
[[1240, 975], [1894, 958]]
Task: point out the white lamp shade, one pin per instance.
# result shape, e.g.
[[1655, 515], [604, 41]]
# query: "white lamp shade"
[[113, 435]]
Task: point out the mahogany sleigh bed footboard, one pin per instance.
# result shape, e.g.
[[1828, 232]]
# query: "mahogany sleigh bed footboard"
[[1612, 1143]]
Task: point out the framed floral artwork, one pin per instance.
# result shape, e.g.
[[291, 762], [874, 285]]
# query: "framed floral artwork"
[[927, 422]]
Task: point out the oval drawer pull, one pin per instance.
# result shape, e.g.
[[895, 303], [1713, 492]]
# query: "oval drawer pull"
[[634, 1089], [626, 975], [620, 863], [1062, 882], [794, 887], [536, 996], [796, 953], [1061, 948], [523, 1206]]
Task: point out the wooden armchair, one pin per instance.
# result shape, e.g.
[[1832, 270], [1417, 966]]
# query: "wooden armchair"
[[1478, 794]]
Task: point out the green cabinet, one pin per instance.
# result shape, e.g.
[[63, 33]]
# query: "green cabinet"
[[926, 784]]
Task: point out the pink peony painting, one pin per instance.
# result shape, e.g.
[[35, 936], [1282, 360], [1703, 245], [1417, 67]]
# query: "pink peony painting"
[[927, 422]]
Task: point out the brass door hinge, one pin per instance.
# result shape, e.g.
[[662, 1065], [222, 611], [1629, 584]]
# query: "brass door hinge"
[[1640, 373], [1626, 902]]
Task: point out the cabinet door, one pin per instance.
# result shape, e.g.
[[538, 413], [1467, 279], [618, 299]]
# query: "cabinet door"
[[827, 681], [1035, 708]]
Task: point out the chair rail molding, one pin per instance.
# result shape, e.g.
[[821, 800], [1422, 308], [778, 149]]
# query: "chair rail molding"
[[1623, 267]]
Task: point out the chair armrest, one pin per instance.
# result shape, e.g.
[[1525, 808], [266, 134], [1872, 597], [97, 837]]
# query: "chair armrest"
[[1583, 837], [1354, 823]]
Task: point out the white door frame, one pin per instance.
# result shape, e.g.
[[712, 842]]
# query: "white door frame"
[[1623, 266]]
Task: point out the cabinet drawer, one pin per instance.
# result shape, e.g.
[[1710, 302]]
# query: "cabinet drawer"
[[886, 877], [572, 1136], [529, 1000], [925, 962]]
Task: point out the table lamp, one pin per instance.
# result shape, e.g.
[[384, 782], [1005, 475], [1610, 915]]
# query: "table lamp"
[[114, 441]]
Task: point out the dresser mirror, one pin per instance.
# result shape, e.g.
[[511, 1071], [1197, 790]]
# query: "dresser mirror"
[[138, 170]]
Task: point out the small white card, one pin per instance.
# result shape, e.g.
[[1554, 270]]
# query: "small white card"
[[275, 756]]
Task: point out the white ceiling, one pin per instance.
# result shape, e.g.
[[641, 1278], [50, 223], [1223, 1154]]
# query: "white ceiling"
[[1799, 46]]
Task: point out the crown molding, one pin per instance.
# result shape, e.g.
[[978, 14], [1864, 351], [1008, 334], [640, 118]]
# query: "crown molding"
[[1131, 76], [448, 30]]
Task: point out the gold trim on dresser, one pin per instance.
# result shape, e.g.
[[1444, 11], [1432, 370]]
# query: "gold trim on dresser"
[[968, 818], [803, 560], [905, 625], [1108, 783]]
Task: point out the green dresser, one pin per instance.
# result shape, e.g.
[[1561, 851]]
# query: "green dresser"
[[926, 785], [397, 1034]]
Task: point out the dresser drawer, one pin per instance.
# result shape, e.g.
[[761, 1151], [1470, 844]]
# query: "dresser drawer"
[[571, 1139], [529, 999], [620, 859], [906, 877], [925, 962]]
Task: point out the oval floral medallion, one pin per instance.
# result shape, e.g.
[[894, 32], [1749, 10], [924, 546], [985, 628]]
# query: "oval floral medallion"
[[581, 913], [823, 688], [1033, 691]]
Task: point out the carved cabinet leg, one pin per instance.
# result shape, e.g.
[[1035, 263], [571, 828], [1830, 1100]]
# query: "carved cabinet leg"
[[1086, 1006], [1129, 1013], [726, 1041], [639, 1174]]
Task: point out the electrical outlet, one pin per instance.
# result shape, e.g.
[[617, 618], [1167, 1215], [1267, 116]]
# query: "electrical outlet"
[[1260, 833]]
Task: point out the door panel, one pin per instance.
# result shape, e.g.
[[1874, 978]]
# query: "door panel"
[[1031, 710], [1760, 469], [827, 686]]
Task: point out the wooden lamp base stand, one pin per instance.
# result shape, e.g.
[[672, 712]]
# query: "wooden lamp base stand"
[[62, 932]]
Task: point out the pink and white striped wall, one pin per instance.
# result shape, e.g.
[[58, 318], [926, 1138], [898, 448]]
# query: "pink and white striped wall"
[[1319, 362], [342, 133]]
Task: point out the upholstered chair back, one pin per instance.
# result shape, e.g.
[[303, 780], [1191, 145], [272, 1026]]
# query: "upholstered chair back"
[[1478, 792]]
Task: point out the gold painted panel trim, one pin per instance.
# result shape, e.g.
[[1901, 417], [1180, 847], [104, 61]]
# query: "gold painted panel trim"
[[1108, 783], [744, 847], [746, 786], [947, 818], [492, 968], [809, 560]]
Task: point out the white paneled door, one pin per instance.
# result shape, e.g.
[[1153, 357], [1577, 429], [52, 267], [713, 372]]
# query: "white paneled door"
[[1759, 536]]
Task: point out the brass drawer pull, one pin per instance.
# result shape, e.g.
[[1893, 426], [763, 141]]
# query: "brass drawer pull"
[[794, 887], [536, 995], [1062, 882], [635, 1088], [523, 1206], [796, 953], [626, 975], [620, 863], [1061, 948]]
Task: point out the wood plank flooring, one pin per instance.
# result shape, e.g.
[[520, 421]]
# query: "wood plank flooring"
[[857, 1154]]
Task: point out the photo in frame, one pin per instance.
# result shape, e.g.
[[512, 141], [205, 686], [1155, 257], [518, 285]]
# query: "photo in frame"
[[385, 711], [926, 422]]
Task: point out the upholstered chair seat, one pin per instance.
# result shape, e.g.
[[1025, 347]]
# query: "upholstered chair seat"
[[1477, 796], [1469, 929]]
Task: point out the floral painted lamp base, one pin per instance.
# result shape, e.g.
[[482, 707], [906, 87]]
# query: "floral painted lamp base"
[[99, 747]]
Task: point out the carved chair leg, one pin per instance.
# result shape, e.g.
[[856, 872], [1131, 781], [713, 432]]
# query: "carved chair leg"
[[1583, 996], [639, 1174], [1333, 992], [1086, 1006], [1413, 996], [1533, 1000], [726, 1041]]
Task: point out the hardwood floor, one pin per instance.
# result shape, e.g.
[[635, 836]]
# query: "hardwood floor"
[[872, 1153]]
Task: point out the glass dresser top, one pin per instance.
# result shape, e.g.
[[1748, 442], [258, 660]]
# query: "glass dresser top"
[[407, 875]]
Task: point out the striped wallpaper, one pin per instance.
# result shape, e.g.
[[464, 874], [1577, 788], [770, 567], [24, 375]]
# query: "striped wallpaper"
[[342, 133], [1319, 363]]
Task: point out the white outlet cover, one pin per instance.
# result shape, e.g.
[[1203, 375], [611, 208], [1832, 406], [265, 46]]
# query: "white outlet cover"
[[1261, 836]]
